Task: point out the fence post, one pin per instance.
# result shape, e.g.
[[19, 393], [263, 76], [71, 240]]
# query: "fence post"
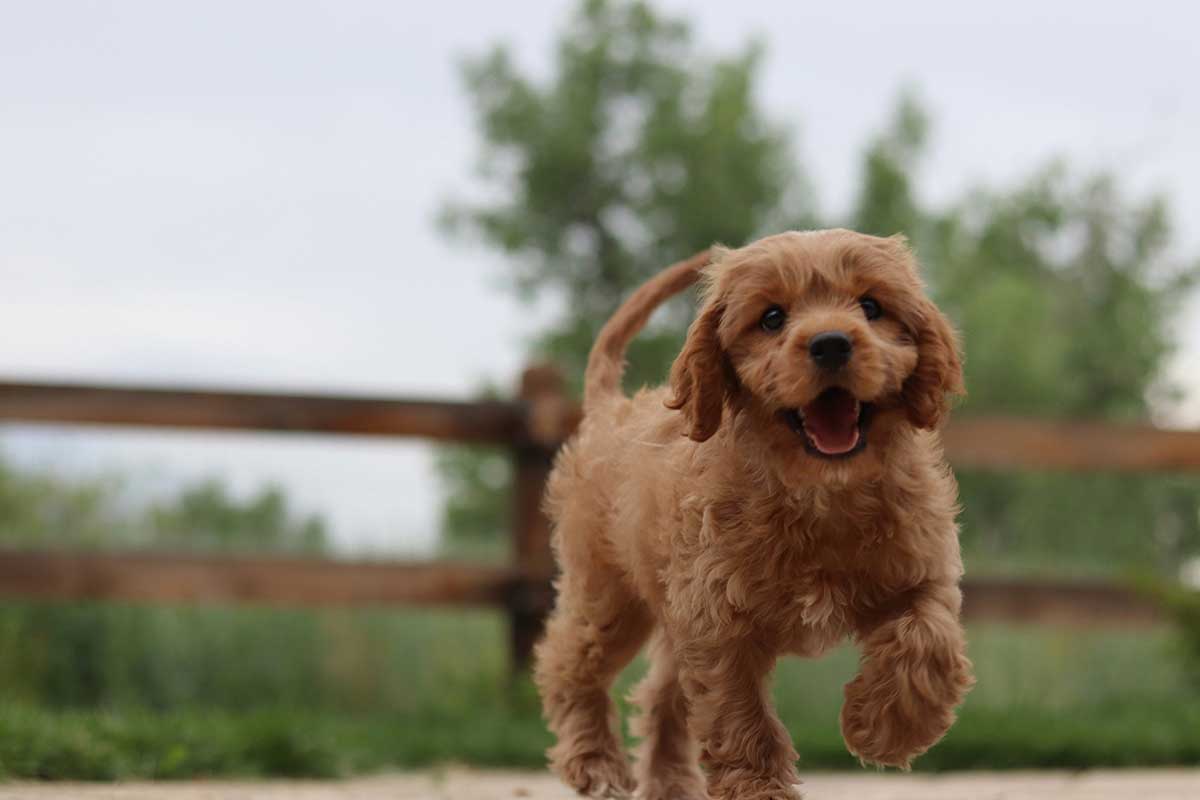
[[547, 408]]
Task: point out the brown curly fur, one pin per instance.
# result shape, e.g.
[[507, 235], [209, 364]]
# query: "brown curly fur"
[[695, 514]]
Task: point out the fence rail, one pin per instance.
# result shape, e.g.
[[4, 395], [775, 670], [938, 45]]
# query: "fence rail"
[[532, 426], [162, 578], [483, 422], [1002, 443], [173, 578]]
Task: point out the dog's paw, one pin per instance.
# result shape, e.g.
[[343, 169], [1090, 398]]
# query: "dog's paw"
[[744, 787], [675, 789], [878, 729], [598, 775]]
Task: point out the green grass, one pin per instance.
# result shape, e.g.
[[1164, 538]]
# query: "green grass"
[[1045, 697]]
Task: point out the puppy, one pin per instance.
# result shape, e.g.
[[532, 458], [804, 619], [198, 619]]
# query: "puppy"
[[785, 492]]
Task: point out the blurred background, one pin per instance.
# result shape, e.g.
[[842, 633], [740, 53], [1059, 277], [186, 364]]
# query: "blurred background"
[[380, 199]]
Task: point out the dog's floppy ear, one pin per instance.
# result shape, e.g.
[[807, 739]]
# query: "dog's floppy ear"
[[938, 376], [699, 376]]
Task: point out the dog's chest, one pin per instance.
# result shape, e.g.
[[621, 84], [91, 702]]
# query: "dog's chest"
[[794, 575], [836, 578]]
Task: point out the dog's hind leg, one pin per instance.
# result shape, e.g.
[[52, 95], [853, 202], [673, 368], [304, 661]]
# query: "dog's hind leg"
[[597, 627], [668, 765]]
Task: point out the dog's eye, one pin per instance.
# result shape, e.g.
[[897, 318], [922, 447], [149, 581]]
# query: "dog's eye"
[[871, 307], [772, 319]]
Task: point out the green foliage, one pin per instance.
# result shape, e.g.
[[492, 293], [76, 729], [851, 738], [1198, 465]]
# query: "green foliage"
[[133, 743], [205, 516], [1065, 291], [1184, 605], [92, 655], [1097, 524], [39, 508], [36, 508], [477, 483], [886, 204]]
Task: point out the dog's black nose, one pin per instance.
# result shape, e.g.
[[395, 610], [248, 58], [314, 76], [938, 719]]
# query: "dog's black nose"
[[831, 349]]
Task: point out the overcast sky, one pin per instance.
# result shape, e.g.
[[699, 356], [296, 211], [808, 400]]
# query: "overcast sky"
[[243, 193]]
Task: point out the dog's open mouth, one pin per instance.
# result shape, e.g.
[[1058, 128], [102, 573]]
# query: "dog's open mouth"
[[833, 425]]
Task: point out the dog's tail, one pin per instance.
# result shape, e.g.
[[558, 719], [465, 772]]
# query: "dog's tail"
[[606, 363]]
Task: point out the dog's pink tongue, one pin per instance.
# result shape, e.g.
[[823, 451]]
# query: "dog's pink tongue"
[[831, 422]]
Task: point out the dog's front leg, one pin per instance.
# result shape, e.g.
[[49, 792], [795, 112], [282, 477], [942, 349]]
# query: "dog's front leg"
[[745, 747], [913, 673]]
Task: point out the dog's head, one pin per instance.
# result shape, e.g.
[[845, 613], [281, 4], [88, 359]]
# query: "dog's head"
[[824, 344]]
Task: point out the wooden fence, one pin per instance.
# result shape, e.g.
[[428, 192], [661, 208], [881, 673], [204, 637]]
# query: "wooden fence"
[[531, 426]]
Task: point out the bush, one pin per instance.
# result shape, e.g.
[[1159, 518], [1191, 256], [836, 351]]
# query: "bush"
[[1185, 610]]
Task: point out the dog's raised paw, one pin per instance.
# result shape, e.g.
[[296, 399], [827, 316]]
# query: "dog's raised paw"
[[879, 730]]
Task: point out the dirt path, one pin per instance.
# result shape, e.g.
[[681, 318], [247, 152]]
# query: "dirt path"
[[471, 785]]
